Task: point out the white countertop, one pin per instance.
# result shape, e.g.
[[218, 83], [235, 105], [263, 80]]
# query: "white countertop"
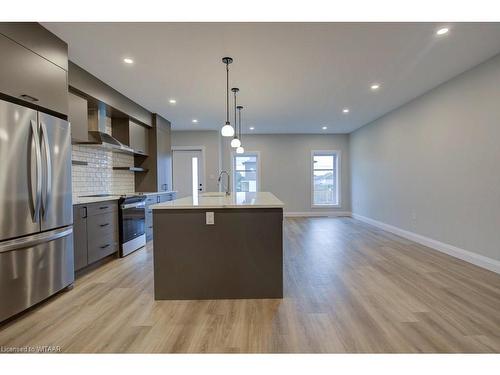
[[87, 200], [220, 200]]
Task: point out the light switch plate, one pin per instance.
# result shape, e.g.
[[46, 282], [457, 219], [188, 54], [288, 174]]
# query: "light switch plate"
[[210, 218]]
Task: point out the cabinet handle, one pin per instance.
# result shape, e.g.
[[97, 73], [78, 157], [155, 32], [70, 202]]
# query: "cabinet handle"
[[104, 225], [105, 246], [150, 226], [103, 207], [29, 97]]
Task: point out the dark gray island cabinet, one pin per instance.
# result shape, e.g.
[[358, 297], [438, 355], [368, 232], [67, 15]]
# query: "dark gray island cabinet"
[[219, 247]]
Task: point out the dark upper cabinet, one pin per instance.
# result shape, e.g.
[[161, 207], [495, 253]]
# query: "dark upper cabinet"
[[38, 39], [78, 117], [164, 156], [138, 137], [29, 78], [159, 161], [132, 134]]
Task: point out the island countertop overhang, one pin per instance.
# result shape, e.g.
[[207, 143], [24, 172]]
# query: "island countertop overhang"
[[217, 200]]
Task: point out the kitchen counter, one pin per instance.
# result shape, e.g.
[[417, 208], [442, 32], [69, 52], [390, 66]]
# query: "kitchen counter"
[[220, 200], [155, 192], [88, 200], [214, 246]]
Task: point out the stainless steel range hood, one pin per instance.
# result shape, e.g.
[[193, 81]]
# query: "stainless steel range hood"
[[97, 135]]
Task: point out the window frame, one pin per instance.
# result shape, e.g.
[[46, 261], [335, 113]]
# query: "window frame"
[[233, 168], [337, 154]]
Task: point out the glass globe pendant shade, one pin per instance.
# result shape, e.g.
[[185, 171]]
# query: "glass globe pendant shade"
[[227, 130], [235, 143], [240, 150]]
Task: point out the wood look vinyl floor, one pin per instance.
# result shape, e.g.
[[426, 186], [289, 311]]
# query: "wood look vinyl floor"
[[349, 287]]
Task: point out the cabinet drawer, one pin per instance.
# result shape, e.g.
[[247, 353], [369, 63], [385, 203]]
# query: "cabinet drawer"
[[100, 225], [102, 208], [27, 76], [100, 247], [151, 199]]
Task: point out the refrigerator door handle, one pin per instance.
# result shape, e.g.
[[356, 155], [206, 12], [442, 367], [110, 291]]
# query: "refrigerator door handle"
[[48, 171], [38, 154], [30, 241]]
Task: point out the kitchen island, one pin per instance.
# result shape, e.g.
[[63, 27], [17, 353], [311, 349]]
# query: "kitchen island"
[[213, 246]]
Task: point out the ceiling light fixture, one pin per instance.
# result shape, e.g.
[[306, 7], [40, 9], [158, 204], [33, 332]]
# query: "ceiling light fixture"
[[251, 128], [324, 128], [235, 142], [240, 149], [128, 60], [442, 31], [194, 121], [345, 110], [227, 130], [375, 86], [172, 101]]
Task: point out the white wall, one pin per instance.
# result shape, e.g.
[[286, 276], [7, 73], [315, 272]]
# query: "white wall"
[[285, 163], [209, 139], [432, 167], [286, 166]]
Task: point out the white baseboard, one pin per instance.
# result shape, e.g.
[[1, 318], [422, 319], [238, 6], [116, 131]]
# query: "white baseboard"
[[468, 256], [317, 214]]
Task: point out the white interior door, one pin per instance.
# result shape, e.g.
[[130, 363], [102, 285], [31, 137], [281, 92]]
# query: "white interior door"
[[188, 172]]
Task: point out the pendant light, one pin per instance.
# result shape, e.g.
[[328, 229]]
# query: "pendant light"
[[240, 149], [227, 130], [235, 142]]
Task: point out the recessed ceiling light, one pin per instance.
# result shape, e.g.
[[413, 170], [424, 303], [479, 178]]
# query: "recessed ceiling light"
[[375, 86], [442, 31], [172, 101], [324, 128], [194, 121], [251, 128], [128, 60], [345, 110]]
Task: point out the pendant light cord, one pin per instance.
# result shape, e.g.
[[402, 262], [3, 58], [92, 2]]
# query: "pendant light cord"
[[227, 93], [235, 134]]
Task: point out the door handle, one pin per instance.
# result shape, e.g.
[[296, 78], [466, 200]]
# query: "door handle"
[[33, 240], [37, 198], [104, 225], [105, 246], [48, 170]]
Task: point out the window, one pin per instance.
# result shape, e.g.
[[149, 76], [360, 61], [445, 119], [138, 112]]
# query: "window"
[[246, 172], [325, 178]]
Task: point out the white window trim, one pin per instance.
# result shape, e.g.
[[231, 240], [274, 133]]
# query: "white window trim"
[[233, 168], [339, 184]]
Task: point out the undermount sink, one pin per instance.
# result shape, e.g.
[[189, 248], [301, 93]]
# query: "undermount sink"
[[214, 194]]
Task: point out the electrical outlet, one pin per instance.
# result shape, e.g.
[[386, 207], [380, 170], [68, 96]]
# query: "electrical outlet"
[[210, 218]]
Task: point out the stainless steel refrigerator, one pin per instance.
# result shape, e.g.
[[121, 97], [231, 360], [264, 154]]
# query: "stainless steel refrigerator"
[[36, 214]]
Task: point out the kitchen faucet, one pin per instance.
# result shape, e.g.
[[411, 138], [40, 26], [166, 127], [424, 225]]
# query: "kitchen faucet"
[[228, 187]]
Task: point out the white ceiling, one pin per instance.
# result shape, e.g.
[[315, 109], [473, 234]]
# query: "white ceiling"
[[293, 77]]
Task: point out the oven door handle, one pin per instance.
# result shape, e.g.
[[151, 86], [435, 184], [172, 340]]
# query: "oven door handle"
[[133, 205]]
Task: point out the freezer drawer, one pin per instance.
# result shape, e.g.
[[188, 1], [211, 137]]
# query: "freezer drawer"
[[33, 268]]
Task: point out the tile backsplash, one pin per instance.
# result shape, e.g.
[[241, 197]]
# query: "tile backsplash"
[[98, 176]]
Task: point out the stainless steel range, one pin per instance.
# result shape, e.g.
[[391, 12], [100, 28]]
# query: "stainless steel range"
[[132, 223]]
